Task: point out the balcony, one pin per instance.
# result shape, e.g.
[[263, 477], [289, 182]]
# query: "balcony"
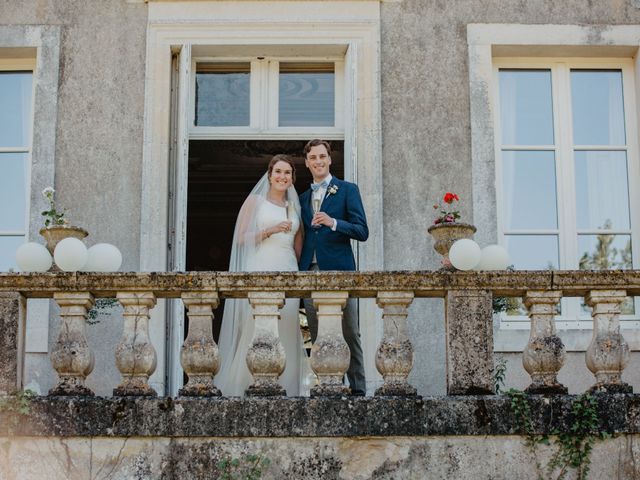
[[470, 415]]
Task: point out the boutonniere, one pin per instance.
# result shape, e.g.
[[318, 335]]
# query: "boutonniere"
[[332, 190]]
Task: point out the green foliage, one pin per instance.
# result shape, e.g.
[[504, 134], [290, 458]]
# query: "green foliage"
[[575, 445], [249, 467], [101, 304], [499, 373], [16, 406], [572, 447]]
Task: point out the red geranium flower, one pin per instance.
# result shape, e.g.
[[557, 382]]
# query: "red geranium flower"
[[450, 197]]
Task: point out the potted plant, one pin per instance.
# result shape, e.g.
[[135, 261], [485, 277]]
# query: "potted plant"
[[56, 227], [447, 228]]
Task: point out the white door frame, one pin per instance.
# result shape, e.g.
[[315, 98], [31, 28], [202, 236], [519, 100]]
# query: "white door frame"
[[314, 28]]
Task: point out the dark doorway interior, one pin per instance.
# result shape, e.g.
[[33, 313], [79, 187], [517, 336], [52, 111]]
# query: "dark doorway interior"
[[221, 175]]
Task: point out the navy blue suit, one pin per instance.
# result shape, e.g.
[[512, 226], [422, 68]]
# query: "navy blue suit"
[[333, 249], [333, 252]]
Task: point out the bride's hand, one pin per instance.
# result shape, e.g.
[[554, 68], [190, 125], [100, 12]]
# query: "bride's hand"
[[284, 227]]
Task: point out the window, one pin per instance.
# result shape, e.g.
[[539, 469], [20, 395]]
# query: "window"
[[15, 154], [567, 167], [258, 97]]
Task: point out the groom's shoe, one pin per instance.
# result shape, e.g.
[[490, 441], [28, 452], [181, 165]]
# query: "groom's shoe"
[[357, 393]]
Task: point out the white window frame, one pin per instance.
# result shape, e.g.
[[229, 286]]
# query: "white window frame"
[[489, 43], [301, 29], [264, 102], [563, 149], [22, 65]]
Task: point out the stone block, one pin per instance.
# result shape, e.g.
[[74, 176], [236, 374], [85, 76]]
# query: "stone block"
[[469, 333], [11, 319]]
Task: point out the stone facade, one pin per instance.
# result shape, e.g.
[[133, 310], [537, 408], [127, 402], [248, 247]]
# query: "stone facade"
[[426, 104]]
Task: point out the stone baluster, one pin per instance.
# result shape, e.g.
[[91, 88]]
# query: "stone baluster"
[[135, 355], [330, 355], [608, 352], [394, 357], [199, 355], [266, 357], [544, 354], [469, 332], [71, 356]]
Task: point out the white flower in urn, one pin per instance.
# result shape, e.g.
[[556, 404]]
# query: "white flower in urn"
[[52, 216]]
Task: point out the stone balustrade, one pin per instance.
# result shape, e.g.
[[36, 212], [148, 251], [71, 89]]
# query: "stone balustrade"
[[468, 319]]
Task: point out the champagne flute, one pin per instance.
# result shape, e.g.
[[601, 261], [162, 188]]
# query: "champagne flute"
[[315, 203]]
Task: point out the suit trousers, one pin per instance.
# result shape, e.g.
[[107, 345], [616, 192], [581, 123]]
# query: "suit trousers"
[[351, 333]]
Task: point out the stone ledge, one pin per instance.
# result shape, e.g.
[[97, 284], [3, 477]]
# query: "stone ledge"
[[305, 417], [572, 283]]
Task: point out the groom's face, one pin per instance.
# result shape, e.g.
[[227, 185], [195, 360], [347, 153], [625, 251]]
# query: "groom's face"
[[318, 162]]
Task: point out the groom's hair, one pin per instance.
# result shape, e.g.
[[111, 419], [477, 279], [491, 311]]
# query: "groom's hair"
[[282, 158], [314, 143]]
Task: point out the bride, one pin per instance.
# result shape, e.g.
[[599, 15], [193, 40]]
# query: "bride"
[[267, 237]]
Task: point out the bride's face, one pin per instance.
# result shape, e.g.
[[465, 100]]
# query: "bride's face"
[[281, 176]]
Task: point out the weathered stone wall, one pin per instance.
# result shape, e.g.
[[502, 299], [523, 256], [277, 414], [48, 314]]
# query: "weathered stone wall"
[[98, 152], [323, 438], [462, 458]]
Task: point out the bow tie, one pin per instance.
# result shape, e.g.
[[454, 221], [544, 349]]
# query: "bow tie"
[[316, 186]]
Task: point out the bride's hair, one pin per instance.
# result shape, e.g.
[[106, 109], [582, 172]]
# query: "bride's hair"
[[282, 158]]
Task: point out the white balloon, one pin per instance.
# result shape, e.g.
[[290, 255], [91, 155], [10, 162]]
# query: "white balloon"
[[70, 254], [464, 254], [493, 257], [33, 257], [103, 257]]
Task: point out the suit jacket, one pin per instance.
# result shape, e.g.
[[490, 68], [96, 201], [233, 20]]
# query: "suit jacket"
[[333, 249]]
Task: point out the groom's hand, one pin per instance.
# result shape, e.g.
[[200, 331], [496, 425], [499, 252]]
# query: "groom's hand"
[[321, 218]]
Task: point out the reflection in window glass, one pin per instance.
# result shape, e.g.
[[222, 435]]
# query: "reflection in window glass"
[[223, 94], [606, 252], [12, 192], [598, 175], [529, 189], [533, 252], [15, 109], [307, 95], [597, 105], [526, 110], [8, 247]]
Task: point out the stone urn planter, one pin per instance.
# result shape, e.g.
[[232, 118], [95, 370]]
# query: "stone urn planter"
[[445, 235], [55, 233]]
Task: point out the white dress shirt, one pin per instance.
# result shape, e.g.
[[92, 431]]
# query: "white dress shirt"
[[320, 194]]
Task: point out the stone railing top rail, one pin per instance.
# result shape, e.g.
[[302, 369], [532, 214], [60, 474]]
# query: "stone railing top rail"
[[301, 284]]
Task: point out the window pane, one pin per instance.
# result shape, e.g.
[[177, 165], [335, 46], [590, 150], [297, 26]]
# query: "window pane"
[[8, 247], [604, 252], [533, 252], [602, 190], [307, 95], [12, 191], [223, 94], [598, 112], [526, 109], [15, 109], [529, 189]]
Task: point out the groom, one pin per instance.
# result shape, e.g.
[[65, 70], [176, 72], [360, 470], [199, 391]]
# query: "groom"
[[327, 237]]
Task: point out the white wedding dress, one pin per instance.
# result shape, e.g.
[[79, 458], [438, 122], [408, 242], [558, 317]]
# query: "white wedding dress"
[[275, 253]]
